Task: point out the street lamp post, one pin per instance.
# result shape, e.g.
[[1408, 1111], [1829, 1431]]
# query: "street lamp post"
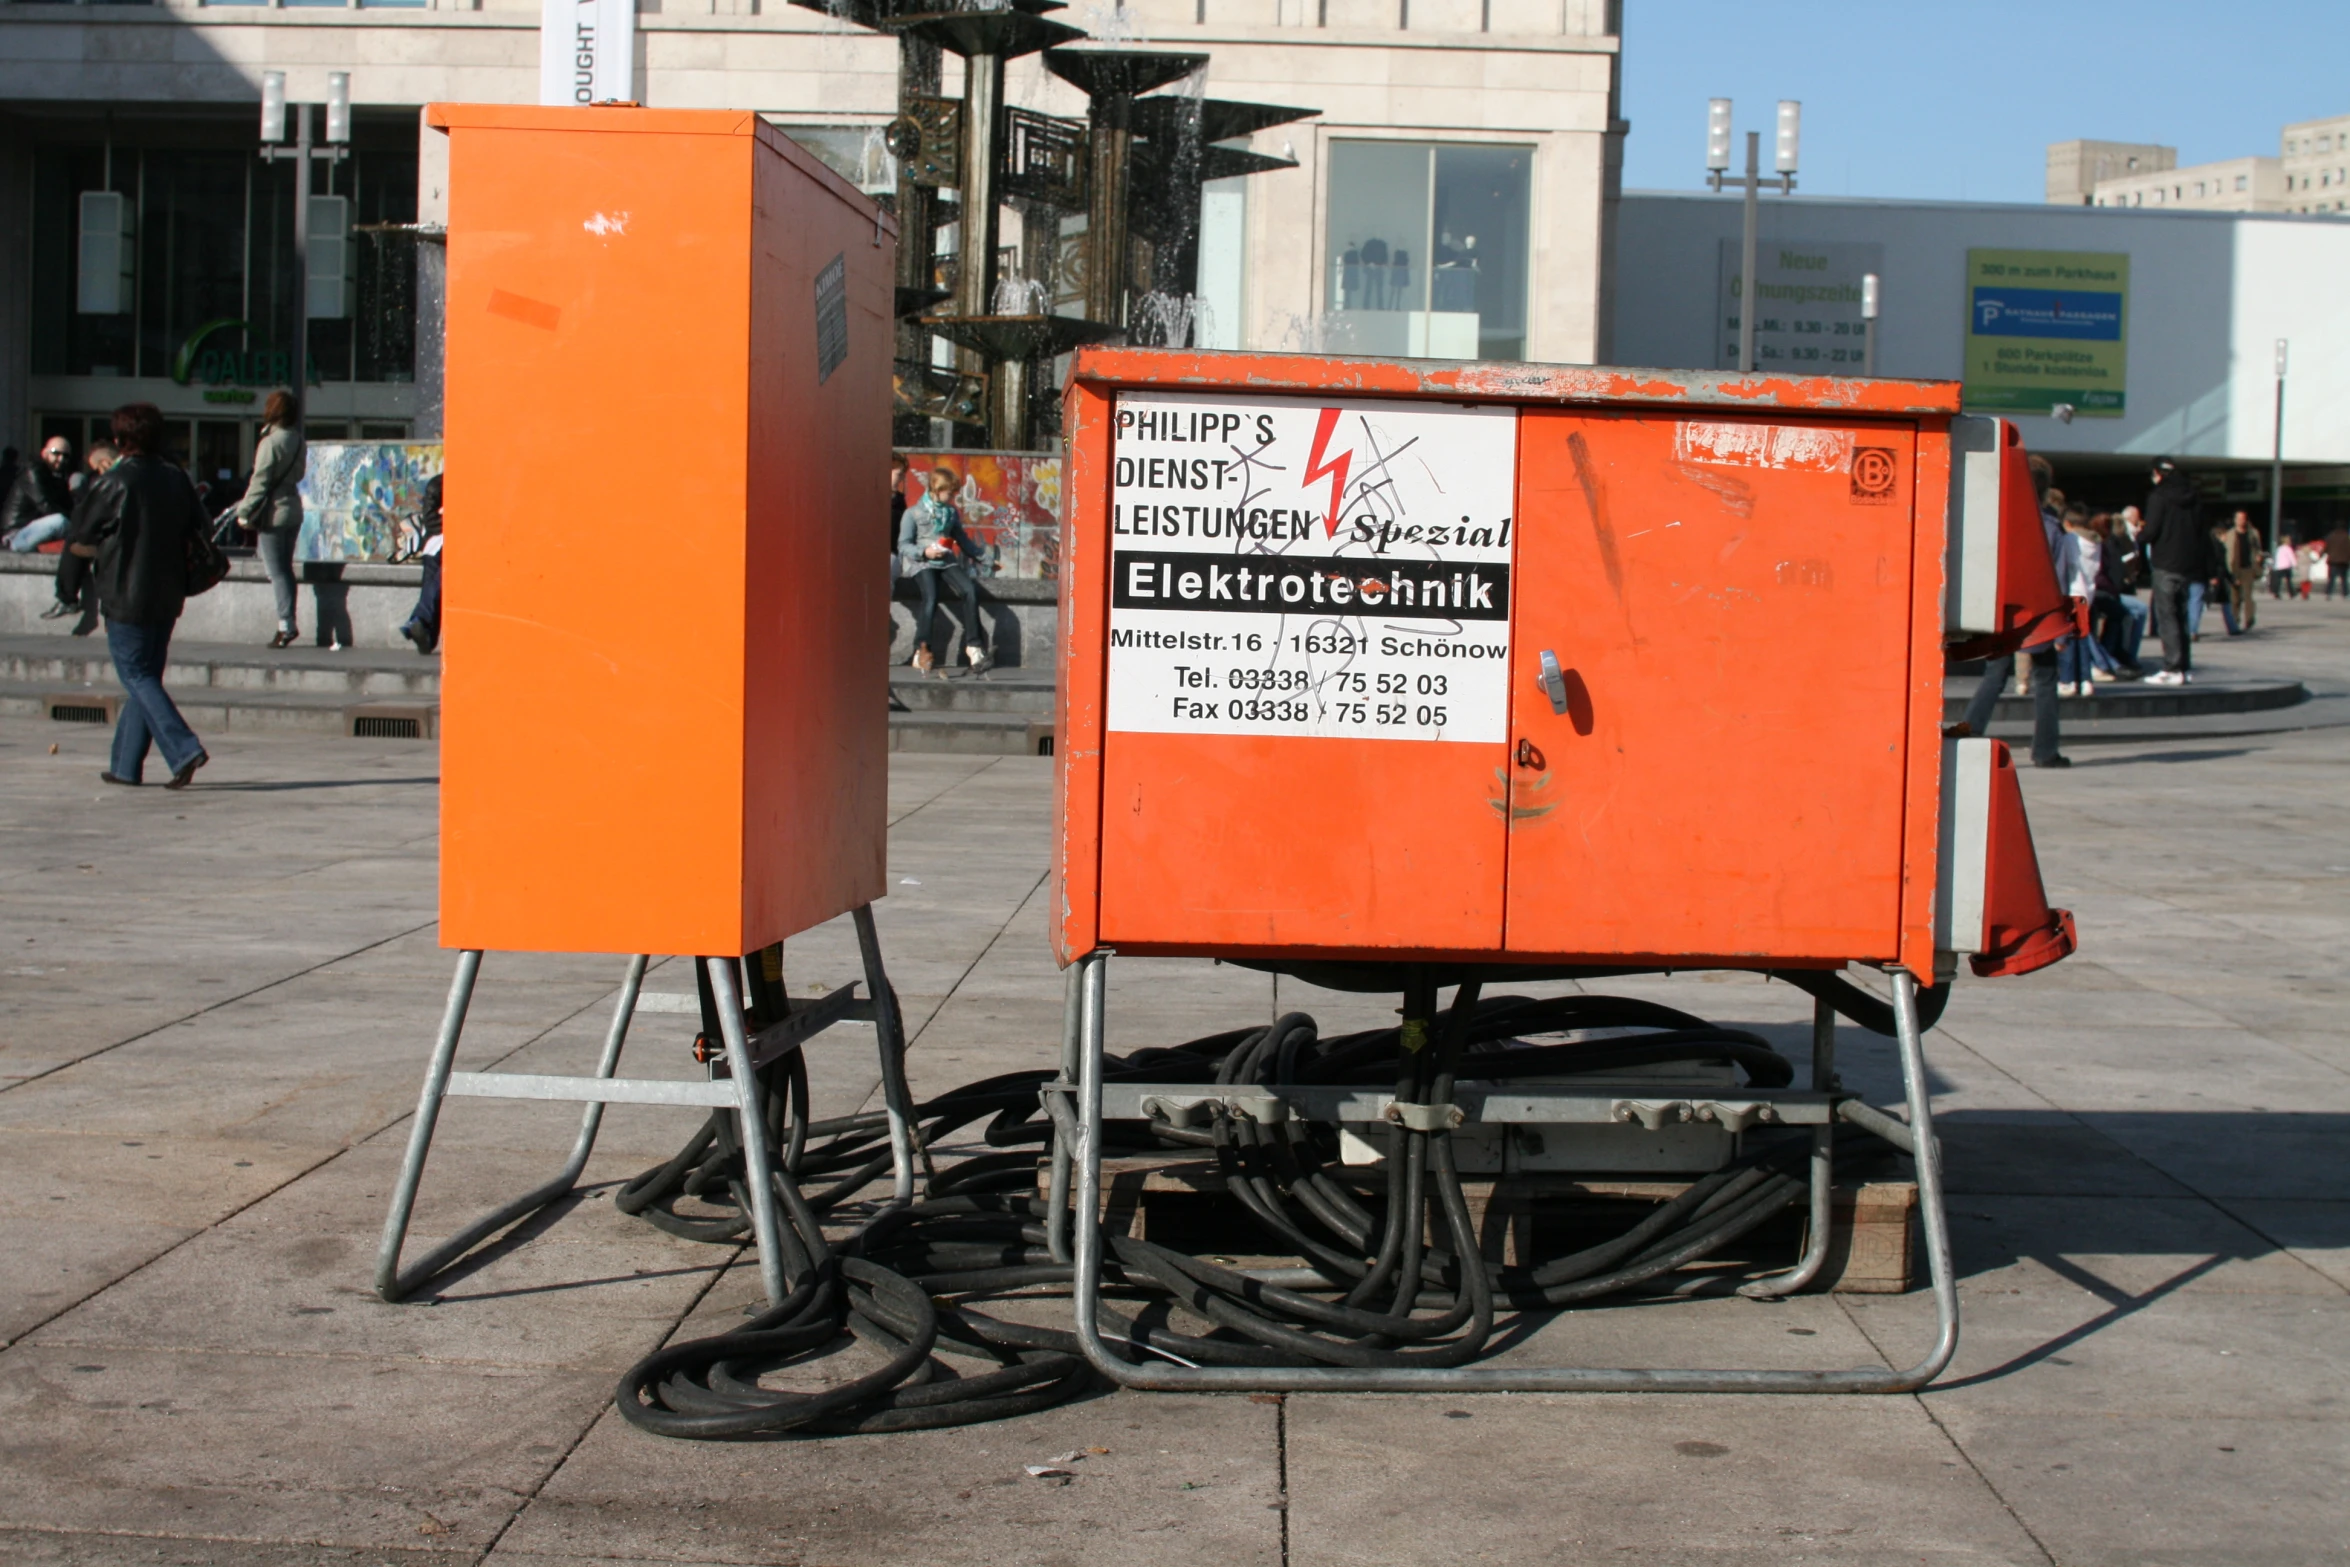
[[2276, 464], [302, 152], [1868, 323], [1717, 175]]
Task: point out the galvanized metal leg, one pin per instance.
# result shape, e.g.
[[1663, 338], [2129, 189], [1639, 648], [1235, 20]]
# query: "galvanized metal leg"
[[391, 1282], [1056, 1103], [751, 1115], [1823, 1170], [889, 1031], [1927, 1156], [1496, 1379]]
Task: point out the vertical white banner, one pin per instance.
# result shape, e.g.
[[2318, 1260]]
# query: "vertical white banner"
[[587, 51]]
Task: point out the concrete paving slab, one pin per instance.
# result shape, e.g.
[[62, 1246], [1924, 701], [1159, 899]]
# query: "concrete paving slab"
[[314, 1450], [2043, 1154], [79, 1211], [581, 1287], [2129, 1245], [1182, 1481], [2316, 1232], [42, 1548], [1544, 1479], [2165, 1351], [2196, 1491]]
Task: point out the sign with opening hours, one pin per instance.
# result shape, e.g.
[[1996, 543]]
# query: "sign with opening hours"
[[1334, 569]]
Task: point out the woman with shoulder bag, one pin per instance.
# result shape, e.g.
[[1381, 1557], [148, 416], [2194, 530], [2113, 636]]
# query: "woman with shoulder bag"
[[272, 507]]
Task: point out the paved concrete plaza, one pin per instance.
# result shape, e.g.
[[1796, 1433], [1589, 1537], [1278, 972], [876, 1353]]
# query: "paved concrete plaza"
[[215, 1007]]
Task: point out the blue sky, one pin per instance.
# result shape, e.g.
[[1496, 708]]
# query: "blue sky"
[[1912, 98]]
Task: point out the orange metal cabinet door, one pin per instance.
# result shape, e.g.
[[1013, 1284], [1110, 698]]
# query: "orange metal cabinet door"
[[1306, 692], [1728, 604]]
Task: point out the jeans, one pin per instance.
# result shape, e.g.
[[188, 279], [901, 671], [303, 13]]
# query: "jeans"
[[2337, 577], [2173, 593], [2043, 677], [2125, 628], [37, 532], [150, 716], [276, 548], [425, 618], [2194, 610], [2077, 656], [959, 584]]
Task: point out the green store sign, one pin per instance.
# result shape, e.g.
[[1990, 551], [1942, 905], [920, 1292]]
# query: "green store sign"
[[228, 374]]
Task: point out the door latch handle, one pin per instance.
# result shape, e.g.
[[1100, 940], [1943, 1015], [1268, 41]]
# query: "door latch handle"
[[1554, 682]]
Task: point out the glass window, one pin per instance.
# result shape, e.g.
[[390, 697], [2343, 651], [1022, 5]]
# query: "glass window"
[[1426, 252], [856, 153]]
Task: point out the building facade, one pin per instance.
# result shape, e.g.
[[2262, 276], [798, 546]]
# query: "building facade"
[[2075, 167], [1452, 198], [2194, 305], [2311, 173]]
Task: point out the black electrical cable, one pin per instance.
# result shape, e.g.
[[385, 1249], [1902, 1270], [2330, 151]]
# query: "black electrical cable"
[[1404, 1278]]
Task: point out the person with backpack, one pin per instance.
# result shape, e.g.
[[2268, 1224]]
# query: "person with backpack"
[[272, 506], [144, 531]]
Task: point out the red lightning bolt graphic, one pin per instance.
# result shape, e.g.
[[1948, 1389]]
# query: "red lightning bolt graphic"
[[1335, 467]]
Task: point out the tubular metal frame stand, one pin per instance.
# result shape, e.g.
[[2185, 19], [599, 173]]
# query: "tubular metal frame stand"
[[738, 1091], [1082, 1049]]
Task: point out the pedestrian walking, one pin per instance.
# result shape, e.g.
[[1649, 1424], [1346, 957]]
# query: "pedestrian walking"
[[2042, 657], [2338, 560], [272, 506], [141, 518], [2240, 560], [934, 550], [2280, 570], [2178, 556]]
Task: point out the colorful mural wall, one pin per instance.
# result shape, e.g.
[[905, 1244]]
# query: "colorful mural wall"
[[1011, 505], [356, 495]]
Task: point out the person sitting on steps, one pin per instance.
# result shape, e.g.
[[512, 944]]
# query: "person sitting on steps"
[[934, 550]]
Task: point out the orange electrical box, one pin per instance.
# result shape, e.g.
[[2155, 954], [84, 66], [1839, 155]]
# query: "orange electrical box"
[[1371, 659], [667, 410]]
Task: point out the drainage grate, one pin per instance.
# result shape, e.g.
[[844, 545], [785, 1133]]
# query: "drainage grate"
[[372, 728], [77, 713]]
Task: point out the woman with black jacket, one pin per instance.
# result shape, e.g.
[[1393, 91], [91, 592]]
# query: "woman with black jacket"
[[135, 526]]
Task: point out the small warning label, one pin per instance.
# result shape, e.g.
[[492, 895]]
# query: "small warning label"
[[1292, 567]]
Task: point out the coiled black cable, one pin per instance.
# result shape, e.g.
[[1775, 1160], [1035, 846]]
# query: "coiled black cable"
[[1404, 1278]]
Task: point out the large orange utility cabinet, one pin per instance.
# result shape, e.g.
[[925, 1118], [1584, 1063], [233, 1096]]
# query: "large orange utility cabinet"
[[663, 700], [664, 708], [1380, 660]]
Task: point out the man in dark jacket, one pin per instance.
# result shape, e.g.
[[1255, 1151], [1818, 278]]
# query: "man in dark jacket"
[[136, 527], [40, 498], [2178, 554]]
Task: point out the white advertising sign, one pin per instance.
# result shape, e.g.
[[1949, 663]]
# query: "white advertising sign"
[[1286, 566], [587, 51]]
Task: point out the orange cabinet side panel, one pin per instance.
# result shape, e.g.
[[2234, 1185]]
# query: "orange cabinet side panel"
[[1266, 841], [1729, 601], [1077, 730], [1921, 826], [592, 705], [815, 765]]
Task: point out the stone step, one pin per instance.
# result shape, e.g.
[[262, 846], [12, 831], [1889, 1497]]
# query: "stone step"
[[65, 661], [215, 709], [1027, 691], [972, 734], [2137, 700]]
